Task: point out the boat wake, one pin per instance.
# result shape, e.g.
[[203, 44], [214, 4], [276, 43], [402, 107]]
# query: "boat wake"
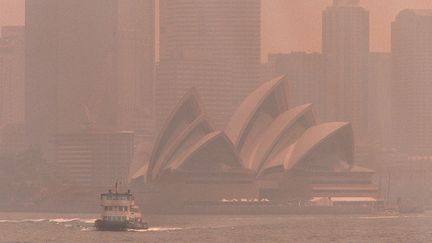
[[155, 229], [151, 229], [380, 217], [82, 223], [22, 220], [61, 220], [57, 220]]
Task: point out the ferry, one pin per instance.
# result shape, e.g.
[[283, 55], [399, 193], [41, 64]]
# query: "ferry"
[[119, 212]]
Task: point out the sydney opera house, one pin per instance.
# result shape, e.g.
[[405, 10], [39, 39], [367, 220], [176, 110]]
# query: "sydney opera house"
[[267, 150]]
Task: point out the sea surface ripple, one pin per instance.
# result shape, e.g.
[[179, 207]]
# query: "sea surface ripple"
[[36, 227]]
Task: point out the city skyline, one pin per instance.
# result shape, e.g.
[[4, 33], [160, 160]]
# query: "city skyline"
[[215, 107], [291, 36]]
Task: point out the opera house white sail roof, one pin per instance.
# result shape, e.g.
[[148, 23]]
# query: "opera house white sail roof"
[[265, 135]]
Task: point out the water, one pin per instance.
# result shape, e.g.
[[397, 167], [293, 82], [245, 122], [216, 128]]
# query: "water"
[[32, 227]]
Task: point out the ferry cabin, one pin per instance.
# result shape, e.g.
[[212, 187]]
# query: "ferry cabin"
[[118, 207]]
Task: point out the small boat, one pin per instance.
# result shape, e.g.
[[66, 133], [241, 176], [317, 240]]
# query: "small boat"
[[119, 212]]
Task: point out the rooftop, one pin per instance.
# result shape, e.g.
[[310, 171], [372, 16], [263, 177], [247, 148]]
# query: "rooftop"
[[417, 12], [345, 3], [422, 12]]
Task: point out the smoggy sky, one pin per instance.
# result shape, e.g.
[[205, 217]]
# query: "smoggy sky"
[[288, 25]]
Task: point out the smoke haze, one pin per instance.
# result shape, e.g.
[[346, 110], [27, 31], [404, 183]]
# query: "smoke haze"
[[288, 35]]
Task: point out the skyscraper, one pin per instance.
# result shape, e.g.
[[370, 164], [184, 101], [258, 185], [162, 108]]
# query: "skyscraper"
[[306, 74], [91, 161], [411, 78], [345, 46], [87, 61], [213, 45], [12, 75], [136, 64], [379, 98]]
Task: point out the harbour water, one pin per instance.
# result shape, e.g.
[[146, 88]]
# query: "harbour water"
[[37, 227]]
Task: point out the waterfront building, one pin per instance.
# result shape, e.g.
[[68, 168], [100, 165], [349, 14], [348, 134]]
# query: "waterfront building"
[[269, 149], [12, 140]]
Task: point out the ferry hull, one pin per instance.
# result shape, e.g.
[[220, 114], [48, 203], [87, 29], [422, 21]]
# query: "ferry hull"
[[104, 225]]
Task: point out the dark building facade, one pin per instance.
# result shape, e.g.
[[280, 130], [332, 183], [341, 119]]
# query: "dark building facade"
[[345, 47], [78, 58], [306, 74], [12, 68], [136, 65], [213, 45], [93, 161], [411, 86]]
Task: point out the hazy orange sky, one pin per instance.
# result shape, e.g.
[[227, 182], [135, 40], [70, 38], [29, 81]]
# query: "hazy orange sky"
[[288, 25]]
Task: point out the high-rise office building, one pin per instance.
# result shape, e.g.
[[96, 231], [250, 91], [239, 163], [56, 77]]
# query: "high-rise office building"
[[83, 59], [411, 78], [93, 160], [136, 69], [12, 75], [345, 46], [213, 45], [305, 72], [379, 98]]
